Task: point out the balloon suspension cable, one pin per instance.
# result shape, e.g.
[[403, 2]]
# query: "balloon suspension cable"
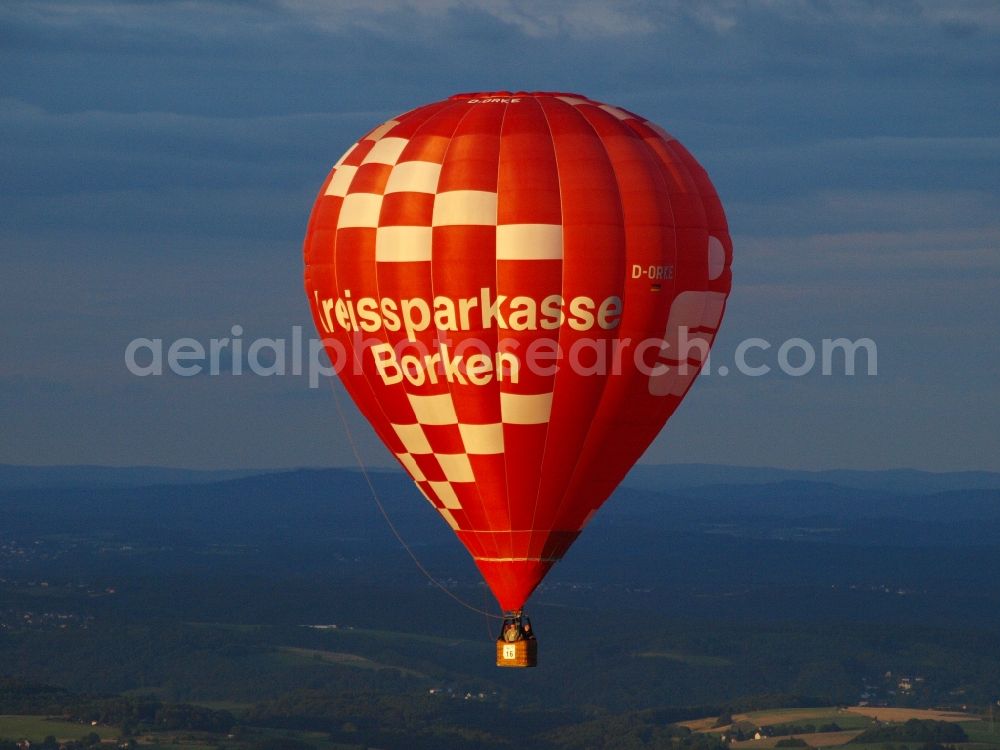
[[385, 515]]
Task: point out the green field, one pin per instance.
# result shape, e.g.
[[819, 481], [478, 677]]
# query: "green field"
[[982, 735], [983, 732], [399, 636], [698, 660], [38, 727], [342, 659], [817, 717]]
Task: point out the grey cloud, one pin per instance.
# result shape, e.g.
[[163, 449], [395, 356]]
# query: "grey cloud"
[[160, 159], [821, 210], [587, 19]]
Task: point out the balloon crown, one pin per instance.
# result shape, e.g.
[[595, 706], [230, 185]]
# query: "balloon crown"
[[514, 94]]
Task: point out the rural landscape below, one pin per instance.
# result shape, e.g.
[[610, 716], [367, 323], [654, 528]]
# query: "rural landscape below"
[[705, 606]]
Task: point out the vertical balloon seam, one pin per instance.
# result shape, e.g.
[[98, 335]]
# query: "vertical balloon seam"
[[522, 552], [571, 474], [384, 334], [451, 392], [710, 195], [427, 110], [655, 167], [661, 169], [682, 166], [559, 331], [384, 422], [690, 164], [506, 576], [331, 262], [348, 384], [615, 122], [538, 134], [380, 421], [576, 465], [430, 272], [383, 425], [378, 295], [311, 265], [661, 165], [679, 156]]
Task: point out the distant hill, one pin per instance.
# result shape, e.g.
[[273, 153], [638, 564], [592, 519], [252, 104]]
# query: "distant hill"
[[668, 477], [25, 477], [776, 583], [656, 478]]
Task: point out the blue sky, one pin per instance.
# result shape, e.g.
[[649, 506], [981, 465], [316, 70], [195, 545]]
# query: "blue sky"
[[160, 160]]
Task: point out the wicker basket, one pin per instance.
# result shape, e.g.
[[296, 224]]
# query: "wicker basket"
[[523, 653]]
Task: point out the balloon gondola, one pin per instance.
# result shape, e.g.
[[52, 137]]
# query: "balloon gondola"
[[517, 645], [517, 290]]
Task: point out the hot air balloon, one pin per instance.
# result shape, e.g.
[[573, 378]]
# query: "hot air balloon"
[[517, 289]]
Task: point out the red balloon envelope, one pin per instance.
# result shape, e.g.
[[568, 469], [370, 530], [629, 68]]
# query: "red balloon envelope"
[[517, 290]]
